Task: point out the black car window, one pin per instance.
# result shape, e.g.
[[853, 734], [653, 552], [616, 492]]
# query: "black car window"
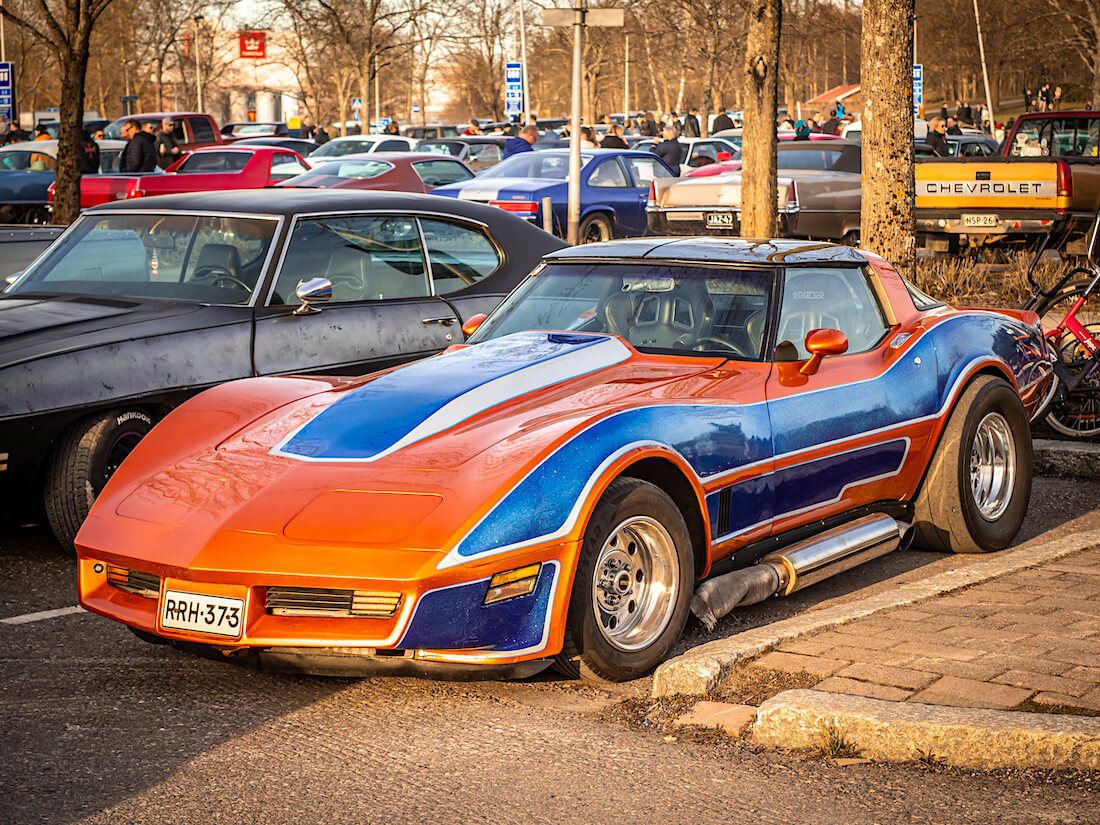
[[439, 172], [392, 146], [204, 162], [460, 255], [367, 258], [169, 257], [810, 158], [677, 309], [201, 129], [829, 298]]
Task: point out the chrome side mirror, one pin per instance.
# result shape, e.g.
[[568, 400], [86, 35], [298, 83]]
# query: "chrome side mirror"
[[315, 290], [11, 279]]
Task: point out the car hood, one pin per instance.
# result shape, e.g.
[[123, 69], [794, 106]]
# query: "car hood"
[[366, 463], [491, 189]]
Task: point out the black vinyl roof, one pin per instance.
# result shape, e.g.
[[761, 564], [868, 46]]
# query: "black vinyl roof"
[[289, 201]]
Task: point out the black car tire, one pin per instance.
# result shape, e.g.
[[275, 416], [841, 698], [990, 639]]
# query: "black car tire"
[[966, 504], [637, 543], [595, 228], [85, 456]]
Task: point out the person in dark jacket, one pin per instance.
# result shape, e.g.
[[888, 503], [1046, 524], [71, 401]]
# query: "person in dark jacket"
[[722, 122], [614, 138], [168, 148], [89, 155], [140, 155], [691, 123], [936, 139], [832, 125], [521, 142], [953, 127], [648, 127], [670, 150]]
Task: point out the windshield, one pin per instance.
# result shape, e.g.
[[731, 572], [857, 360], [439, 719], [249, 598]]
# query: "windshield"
[[441, 147], [657, 308], [533, 165], [339, 148], [197, 259]]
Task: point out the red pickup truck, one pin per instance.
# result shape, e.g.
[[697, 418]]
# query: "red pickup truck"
[[213, 168], [192, 130]]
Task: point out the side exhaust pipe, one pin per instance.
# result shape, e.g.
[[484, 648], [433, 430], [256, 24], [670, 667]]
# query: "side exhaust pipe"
[[790, 570]]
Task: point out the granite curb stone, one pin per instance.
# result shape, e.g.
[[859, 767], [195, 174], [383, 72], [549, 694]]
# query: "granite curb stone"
[[699, 670], [903, 732], [1066, 458]]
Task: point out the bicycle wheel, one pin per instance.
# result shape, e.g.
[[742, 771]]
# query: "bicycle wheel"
[[1077, 412]]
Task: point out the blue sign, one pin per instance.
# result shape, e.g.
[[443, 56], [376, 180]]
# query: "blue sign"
[[513, 89], [356, 104], [918, 88], [7, 91], [416, 108]]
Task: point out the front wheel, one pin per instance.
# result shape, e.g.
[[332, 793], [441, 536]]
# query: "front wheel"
[[632, 587], [976, 491], [83, 459]]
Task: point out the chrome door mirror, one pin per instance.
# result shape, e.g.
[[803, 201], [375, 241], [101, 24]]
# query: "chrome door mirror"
[[315, 290]]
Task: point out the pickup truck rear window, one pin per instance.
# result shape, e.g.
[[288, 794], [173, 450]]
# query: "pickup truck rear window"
[[1070, 137], [201, 129]]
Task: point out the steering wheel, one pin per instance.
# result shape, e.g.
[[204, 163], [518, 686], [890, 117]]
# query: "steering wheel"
[[216, 275], [722, 343]]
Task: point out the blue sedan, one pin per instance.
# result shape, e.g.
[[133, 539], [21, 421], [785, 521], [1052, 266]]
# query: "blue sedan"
[[614, 189]]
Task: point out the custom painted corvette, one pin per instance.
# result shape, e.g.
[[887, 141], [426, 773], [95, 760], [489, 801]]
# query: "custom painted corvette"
[[637, 417]]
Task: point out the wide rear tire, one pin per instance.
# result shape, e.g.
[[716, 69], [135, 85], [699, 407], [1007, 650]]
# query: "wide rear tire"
[[82, 460], [632, 588], [976, 491]]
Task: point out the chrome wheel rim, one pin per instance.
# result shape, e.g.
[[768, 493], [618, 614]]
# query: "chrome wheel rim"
[[634, 583], [992, 466]]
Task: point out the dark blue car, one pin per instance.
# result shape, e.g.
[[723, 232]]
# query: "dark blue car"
[[614, 189]]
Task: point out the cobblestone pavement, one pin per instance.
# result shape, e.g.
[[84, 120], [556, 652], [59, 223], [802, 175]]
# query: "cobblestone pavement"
[[1026, 640]]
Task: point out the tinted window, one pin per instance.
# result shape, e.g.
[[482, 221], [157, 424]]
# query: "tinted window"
[[608, 174], [366, 258], [644, 170], [286, 166], [808, 158], [460, 255], [657, 308], [201, 129], [439, 172], [189, 258], [392, 146], [198, 162], [338, 148], [829, 298]]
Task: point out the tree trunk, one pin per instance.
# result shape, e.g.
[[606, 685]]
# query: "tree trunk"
[[1096, 83], [73, 65], [886, 77], [759, 218]]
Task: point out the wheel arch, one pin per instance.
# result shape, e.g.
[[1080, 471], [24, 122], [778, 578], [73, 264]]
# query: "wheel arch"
[[665, 474]]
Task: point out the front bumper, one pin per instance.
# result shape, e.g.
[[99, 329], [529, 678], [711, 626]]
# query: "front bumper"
[[437, 616]]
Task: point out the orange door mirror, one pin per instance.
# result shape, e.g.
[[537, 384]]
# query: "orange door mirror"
[[470, 327], [822, 342]]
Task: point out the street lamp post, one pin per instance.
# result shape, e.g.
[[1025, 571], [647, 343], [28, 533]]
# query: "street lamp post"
[[198, 18]]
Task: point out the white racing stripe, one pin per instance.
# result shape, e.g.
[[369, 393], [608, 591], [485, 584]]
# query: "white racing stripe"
[[27, 618]]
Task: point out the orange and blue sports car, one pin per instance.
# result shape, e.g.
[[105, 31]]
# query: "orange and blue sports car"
[[643, 429]]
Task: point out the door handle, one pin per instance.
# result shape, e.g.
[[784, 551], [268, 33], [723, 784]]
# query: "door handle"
[[446, 320]]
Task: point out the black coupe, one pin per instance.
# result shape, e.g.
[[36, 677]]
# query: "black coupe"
[[139, 306]]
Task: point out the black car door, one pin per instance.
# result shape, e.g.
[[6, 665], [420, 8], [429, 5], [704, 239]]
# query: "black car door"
[[382, 311]]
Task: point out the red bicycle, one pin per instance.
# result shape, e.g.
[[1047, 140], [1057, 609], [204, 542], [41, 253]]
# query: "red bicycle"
[[1070, 313]]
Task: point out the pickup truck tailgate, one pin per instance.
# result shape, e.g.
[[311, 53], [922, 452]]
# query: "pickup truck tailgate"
[[989, 185]]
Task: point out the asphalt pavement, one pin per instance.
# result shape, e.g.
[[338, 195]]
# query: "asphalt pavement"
[[101, 727]]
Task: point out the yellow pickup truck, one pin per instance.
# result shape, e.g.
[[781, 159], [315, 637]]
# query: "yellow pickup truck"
[[1045, 178]]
